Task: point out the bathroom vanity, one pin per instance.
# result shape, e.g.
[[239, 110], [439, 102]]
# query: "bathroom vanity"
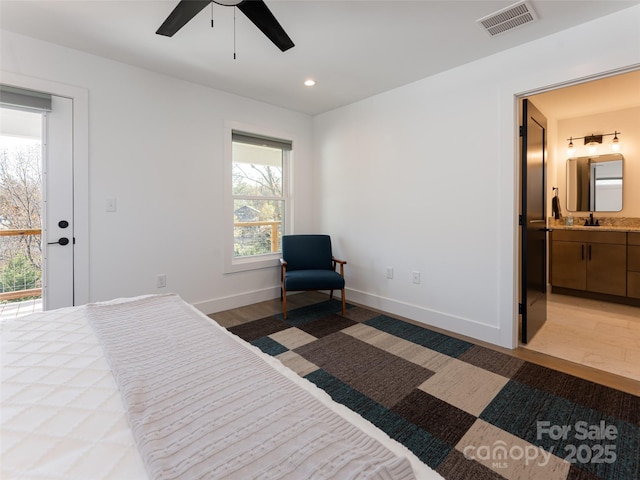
[[600, 262], [633, 265]]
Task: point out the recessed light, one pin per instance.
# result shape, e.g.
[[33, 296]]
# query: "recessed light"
[[310, 82]]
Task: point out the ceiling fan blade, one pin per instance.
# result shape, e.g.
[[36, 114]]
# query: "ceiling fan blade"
[[184, 11], [261, 16]]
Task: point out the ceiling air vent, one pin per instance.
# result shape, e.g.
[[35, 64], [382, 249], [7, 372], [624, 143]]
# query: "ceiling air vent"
[[508, 18]]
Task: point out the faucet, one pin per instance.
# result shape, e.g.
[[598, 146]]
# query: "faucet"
[[590, 222]]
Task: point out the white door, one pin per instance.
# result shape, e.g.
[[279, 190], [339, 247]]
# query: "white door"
[[58, 225]]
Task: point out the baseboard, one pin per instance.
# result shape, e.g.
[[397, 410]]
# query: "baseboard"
[[235, 301], [451, 323]]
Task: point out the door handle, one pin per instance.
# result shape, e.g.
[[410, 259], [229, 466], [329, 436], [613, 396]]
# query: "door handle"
[[61, 241]]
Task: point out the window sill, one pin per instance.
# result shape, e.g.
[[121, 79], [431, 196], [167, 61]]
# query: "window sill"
[[257, 262]]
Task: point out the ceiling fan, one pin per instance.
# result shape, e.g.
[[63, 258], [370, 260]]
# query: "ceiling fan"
[[255, 10]]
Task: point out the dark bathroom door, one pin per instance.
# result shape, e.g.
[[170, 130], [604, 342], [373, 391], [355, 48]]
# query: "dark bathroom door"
[[533, 222]]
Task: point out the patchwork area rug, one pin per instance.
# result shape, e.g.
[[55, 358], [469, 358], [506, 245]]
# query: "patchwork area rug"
[[466, 411]]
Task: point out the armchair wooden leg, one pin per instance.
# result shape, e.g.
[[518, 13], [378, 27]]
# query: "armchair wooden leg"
[[330, 294], [344, 302], [284, 303]]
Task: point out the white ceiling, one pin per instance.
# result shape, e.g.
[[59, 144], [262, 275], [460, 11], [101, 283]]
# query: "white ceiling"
[[607, 94], [353, 48]]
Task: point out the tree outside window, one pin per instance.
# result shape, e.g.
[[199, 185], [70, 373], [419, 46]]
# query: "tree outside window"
[[20, 203], [259, 190]]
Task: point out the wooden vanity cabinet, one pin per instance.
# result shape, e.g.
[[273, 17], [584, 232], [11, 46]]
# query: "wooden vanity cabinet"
[[633, 265], [607, 268], [590, 261], [568, 264]]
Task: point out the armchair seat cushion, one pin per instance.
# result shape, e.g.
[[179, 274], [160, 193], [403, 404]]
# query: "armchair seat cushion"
[[313, 280]]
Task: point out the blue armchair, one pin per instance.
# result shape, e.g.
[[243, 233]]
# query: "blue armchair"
[[308, 264]]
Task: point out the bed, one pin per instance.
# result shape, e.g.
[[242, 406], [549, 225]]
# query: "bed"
[[149, 387]]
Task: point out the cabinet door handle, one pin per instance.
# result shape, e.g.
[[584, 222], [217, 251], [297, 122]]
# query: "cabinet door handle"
[[589, 252], [582, 252]]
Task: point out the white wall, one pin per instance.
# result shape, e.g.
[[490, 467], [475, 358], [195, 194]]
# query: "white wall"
[[156, 145], [626, 121], [424, 178], [419, 178]]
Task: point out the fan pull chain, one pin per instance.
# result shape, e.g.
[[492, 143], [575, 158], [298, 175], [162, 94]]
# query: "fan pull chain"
[[234, 33], [211, 14]]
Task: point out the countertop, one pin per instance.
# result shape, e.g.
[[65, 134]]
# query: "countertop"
[[601, 228], [607, 223]]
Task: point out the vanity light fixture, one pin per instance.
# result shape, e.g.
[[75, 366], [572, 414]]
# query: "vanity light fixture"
[[615, 144], [592, 142]]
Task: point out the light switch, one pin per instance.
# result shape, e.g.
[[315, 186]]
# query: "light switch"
[[111, 205]]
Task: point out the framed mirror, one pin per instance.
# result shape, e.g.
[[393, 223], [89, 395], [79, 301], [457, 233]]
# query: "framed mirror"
[[594, 184]]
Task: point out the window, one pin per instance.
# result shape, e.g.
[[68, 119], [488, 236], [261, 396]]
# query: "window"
[[259, 194]]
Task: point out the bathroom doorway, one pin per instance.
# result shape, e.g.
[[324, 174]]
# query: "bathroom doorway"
[[587, 331]]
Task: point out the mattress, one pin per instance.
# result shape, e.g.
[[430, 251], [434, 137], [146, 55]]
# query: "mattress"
[[63, 413]]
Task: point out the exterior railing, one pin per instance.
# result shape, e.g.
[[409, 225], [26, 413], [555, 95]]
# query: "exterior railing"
[[274, 224], [20, 250], [20, 264]]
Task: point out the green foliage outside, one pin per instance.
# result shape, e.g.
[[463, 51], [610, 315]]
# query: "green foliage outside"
[[251, 241], [20, 208], [19, 274], [257, 189]]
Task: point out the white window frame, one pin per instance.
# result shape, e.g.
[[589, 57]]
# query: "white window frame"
[[239, 264]]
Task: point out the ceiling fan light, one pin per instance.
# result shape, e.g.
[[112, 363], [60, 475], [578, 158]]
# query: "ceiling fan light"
[[310, 82], [228, 3], [255, 10]]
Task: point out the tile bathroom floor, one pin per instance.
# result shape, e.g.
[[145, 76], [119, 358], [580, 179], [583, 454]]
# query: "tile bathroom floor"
[[602, 335]]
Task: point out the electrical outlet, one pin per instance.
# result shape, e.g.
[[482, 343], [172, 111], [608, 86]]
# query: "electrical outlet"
[[389, 272], [416, 277], [161, 280]]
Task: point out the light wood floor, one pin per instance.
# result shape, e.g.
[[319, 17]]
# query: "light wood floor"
[[552, 358], [597, 334]]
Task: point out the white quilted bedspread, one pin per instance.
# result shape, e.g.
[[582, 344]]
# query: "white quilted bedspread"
[[62, 417]]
